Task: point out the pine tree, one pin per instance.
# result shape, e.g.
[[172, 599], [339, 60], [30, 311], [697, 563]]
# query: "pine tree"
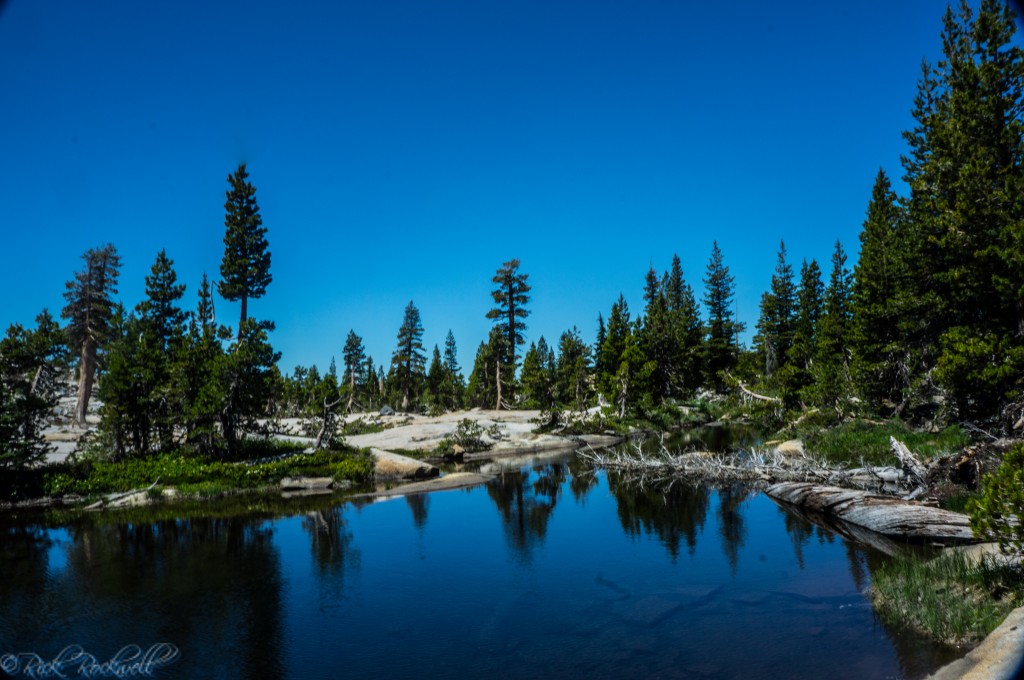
[[162, 332], [245, 268], [510, 298], [199, 390], [89, 308], [353, 357], [453, 386], [572, 372], [435, 378], [832, 363], [246, 374], [965, 170], [809, 301], [721, 348], [408, 360], [29, 363], [684, 372], [632, 374], [614, 345], [537, 376], [775, 326], [483, 386], [881, 359], [598, 344]]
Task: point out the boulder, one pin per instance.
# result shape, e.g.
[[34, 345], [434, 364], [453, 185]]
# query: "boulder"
[[388, 465], [387, 411]]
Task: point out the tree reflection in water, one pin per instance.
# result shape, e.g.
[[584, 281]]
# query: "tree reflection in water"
[[731, 526], [210, 586], [673, 512], [526, 501], [418, 504]]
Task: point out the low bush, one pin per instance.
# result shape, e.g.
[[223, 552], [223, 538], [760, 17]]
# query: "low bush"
[[998, 514]]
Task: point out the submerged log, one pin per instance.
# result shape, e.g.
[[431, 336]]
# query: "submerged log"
[[882, 514]]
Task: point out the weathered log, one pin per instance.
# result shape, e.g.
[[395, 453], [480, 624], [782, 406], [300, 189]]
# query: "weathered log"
[[885, 515], [909, 461], [759, 397]]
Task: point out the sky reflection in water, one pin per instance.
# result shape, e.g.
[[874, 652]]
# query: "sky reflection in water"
[[550, 571]]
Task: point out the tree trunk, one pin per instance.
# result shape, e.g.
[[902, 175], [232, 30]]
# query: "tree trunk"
[[497, 382], [35, 381], [351, 390], [86, 375], [245, 314]]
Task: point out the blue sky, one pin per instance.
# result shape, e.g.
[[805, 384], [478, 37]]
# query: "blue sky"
[[404, 150]]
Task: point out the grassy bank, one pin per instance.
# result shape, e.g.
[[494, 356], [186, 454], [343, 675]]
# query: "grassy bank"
[[185, 471], [950, 598], [868, 441]]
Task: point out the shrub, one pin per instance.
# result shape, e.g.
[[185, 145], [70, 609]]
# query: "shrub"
[[468, 436], [999, 514]]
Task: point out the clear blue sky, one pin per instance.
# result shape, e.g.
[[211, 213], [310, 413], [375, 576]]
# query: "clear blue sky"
[[404, 150]]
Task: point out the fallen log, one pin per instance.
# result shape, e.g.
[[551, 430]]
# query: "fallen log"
[[885, 515]]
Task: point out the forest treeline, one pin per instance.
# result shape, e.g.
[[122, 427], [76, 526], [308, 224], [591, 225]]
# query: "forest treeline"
[[927, 325]]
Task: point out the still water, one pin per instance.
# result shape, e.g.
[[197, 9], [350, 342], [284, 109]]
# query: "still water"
[[553, 570]]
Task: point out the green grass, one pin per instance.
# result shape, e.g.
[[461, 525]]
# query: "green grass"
[[859, 440], [195, 475], [949, 598]]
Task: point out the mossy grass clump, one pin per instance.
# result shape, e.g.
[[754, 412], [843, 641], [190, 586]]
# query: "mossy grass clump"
[[868, 441], [951, 598]]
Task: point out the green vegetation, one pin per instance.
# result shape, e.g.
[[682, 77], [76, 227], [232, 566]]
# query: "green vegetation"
[[999, 512], [860, 440], [190, 474], [468, 437], [949, 598]]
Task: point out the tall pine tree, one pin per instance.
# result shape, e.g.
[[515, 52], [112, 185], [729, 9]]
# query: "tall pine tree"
[[245, 267]]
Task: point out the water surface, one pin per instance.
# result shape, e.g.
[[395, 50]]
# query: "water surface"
[[551, 571]]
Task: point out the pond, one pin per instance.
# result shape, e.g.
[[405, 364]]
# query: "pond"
[[551, 571]]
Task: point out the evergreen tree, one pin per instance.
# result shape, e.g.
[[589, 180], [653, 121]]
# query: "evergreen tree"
[[510, 298], [721, 348], [966, 175], [125, 417], [684, 372], [408, 360], [809, 301], [598, 344], [483, 389], [162, 325], [775, 327], [245, 268], [453, 386], [246, 374], [353, 357], [614, 345], [537, 379], [435, 378], [631, 376], [572, 372], [29, 363], [831, 365], [89, 308], [881, 356], [200, 393]]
